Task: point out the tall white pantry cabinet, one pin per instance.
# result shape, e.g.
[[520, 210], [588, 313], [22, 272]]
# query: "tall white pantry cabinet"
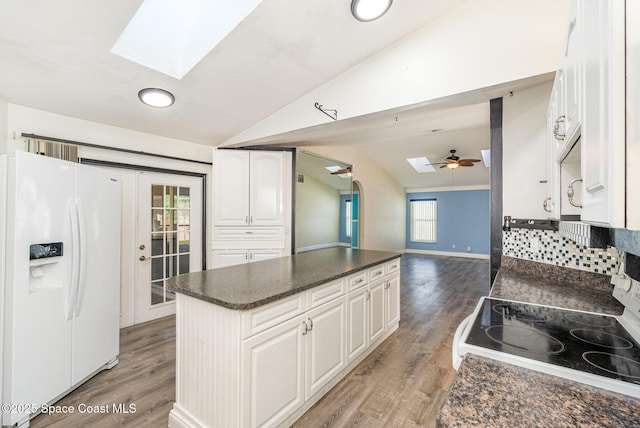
[[251, 208]]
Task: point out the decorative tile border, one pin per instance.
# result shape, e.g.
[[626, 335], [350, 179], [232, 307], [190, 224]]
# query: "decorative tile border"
[[550, 247]]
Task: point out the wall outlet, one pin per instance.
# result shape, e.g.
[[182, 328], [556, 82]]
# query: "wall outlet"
[[469, 248], [535, 245]]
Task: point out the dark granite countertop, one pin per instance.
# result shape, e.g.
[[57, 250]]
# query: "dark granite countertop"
[[492, 393], [250, 285], [489, 393], [551, 285]]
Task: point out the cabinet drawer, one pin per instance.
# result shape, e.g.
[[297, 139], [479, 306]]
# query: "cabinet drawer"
[[264, 317], [376, 272], [356, 280], [393, 266], [248, 233], [324, 293]]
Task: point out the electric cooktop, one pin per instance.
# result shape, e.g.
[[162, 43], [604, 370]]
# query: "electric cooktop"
[[588, 343]]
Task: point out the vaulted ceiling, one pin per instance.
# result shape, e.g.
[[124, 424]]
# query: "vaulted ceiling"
[[55, 56]]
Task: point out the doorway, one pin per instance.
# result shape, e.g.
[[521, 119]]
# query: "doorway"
[[169, 239]]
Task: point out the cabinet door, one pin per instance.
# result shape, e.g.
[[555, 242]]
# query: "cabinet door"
[[231, 188], [357, 325], [552, 202], [392, 300], [326, 352], [267, 189], [273, 374], [377, 324], [571, 81], [603, 130], [224, 258], [258, 255]]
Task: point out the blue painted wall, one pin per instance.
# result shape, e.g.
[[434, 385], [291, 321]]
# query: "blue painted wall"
[[463, 220]]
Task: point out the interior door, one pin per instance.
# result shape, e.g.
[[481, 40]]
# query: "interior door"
[[169, 239]]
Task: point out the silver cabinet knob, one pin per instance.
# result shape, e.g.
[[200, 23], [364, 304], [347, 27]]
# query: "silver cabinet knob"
[[142, 247], [142, 258]]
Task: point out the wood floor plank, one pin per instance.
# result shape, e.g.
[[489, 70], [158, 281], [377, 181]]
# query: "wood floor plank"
[[401, 384]]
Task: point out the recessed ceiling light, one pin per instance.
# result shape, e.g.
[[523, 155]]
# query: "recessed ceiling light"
[[369, 10], [156, 97]]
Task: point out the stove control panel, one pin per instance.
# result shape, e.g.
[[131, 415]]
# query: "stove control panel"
[[627, 291]]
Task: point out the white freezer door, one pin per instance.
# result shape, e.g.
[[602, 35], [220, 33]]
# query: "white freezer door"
[[37, 332], [97, 310]]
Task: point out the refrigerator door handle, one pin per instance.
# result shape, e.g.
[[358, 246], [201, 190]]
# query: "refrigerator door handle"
[[82, 272], [75, 260]]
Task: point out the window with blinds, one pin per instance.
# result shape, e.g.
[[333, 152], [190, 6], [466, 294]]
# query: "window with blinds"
[[424, 213]]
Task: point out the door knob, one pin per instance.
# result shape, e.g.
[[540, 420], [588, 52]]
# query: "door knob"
[[142, 247], [142, 258]]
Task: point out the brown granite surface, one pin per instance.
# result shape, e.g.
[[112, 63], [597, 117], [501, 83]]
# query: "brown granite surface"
[[489, 393], [551, 285], [250, 285]]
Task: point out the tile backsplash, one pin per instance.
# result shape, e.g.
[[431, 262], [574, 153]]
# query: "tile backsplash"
[[550, 247]]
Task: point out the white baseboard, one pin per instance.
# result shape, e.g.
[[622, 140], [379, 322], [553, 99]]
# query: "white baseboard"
[[448, 253]]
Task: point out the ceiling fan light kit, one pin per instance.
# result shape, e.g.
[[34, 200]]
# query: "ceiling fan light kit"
[[453, 161]]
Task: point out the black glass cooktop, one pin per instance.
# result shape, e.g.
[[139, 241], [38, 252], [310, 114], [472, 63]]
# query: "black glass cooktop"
[[591, 343]]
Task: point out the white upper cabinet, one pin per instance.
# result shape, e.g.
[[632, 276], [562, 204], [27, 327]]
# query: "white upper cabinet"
[[587, 106], [248, 188], [633, 113], [266, 195], [603, 100]]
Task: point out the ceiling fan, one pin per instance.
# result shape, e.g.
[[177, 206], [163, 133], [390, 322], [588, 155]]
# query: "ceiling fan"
[[452, 161]]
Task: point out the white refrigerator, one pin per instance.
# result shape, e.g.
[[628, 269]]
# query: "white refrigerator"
[[60, 278]]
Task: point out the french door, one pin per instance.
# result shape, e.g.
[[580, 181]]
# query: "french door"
[[169, 239]]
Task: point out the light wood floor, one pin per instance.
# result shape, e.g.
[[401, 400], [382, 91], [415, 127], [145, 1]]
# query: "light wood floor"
[[401, 384]]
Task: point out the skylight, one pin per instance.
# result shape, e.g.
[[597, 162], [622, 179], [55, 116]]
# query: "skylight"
[[486, 157], [172, 37], [337, 168], [421, 164]]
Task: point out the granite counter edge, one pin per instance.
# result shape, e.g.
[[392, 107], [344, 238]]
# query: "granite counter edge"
[[278, 296]]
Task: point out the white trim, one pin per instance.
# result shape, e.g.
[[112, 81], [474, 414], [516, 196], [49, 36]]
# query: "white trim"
[[448, 253], [448, 188]]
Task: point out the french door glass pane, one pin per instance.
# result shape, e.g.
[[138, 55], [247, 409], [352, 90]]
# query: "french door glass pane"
[[170, 236]]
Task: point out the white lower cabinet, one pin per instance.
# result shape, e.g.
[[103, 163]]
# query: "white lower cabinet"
[[273, 374], [392, 300], [325, 347], [285, 365], [232, 257], [377, 324], [357, 323]]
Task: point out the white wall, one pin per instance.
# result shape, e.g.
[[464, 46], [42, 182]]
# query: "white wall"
[[4, 130], [479, 44], [524, 152], [317, 214], [382, 199], [28, 120]]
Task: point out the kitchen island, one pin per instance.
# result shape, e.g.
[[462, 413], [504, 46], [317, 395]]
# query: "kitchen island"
[[258, 344]]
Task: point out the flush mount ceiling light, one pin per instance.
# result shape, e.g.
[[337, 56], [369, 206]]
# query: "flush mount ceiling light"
[[156, 97], [369, 10]]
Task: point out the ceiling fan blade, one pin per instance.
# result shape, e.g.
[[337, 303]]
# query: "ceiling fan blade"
[[451, 160], [469, 160], [465, 164], [443, 166]]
